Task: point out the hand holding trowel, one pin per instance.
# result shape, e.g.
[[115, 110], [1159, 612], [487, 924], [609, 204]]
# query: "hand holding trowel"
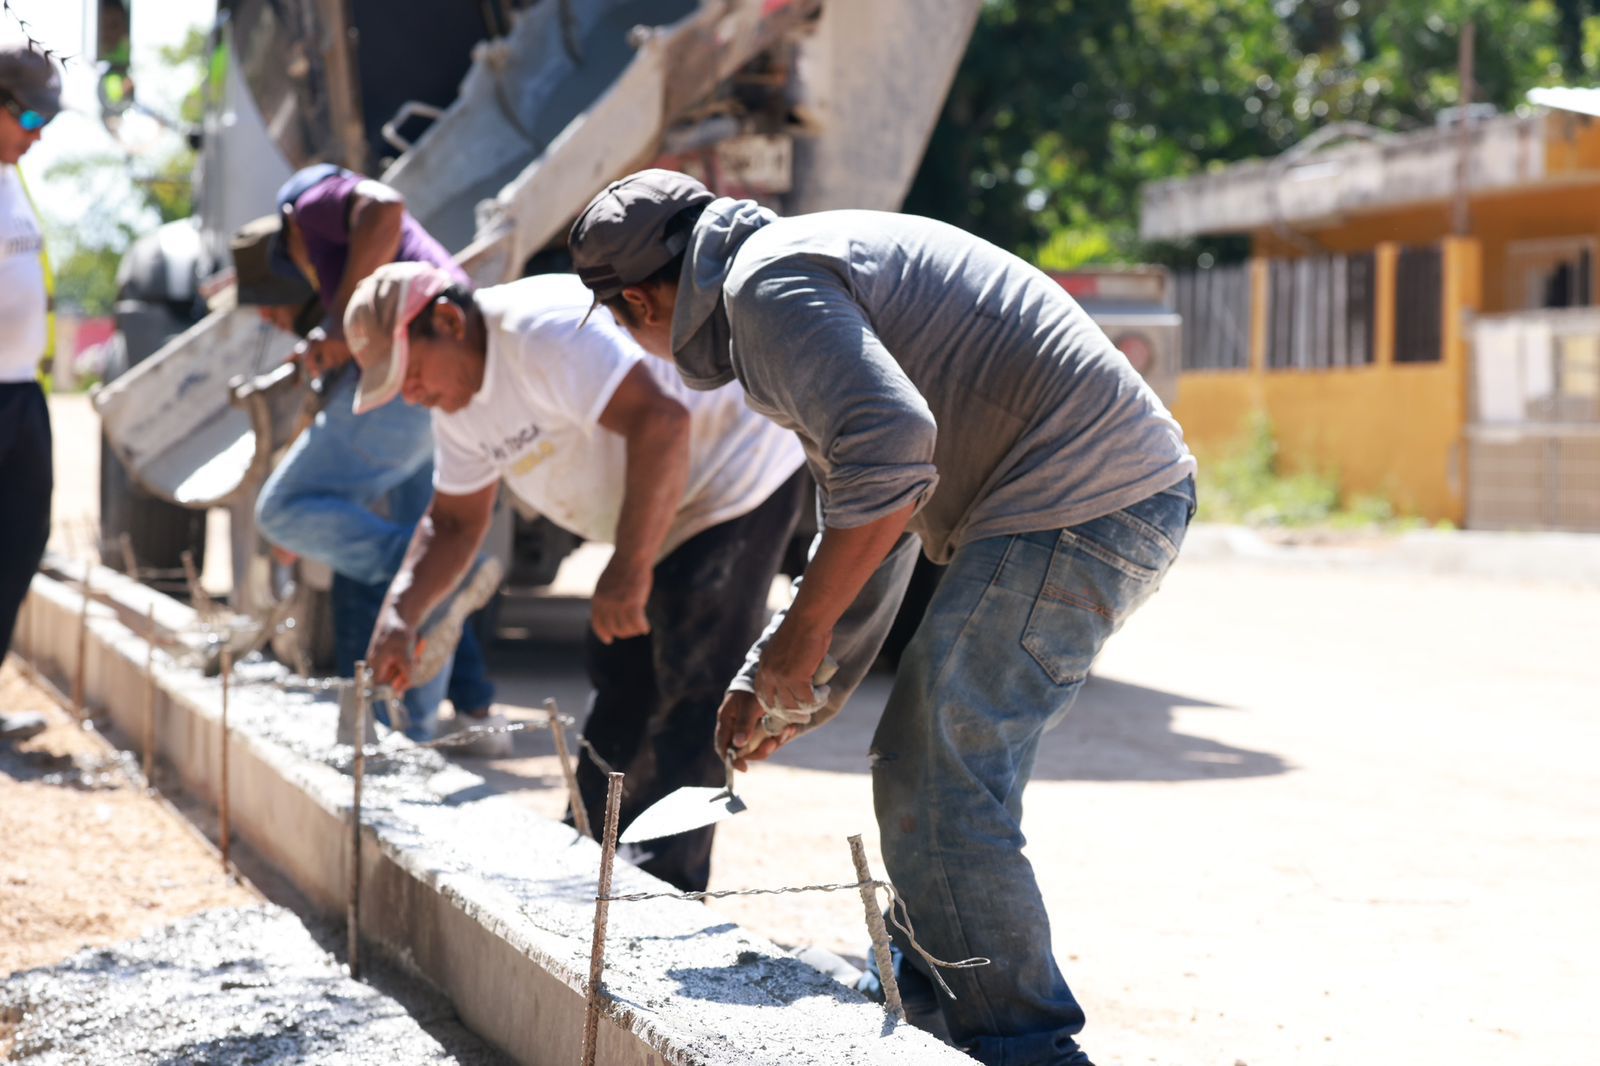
[[697, 806]]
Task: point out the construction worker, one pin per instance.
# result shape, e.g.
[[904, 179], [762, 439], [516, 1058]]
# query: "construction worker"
[[949, 393], [333, 228], [30, 96], [698, 494]]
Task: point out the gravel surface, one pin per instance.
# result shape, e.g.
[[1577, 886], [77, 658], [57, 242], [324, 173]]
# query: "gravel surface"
[[236, 986], [88, 858]]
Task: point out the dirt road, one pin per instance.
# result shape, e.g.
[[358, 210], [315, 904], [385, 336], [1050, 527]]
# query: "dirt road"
[[1302, 817], [1297, 817]]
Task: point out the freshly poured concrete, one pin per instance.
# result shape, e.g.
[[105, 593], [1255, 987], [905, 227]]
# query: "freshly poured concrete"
[[241, 985], [491, 903]]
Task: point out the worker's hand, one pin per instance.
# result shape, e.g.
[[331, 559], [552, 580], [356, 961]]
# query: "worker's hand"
[[392, 651], [739, 730], [321, 354], [617, 607], [789, 664]]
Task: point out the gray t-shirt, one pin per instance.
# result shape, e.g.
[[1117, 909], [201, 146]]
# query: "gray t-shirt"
[[918, 362]]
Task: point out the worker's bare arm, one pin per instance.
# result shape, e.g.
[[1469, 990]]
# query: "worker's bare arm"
[[844, 561], [377, 215], [446, 540], [655, 427]]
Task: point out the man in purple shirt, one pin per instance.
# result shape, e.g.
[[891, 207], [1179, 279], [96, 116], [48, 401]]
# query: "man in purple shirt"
[[333, 228]]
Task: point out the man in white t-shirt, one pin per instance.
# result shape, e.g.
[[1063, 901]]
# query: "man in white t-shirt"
[[699, 495], [30, 96]]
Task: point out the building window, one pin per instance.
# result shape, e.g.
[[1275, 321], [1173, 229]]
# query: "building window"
[[1419, 306], [1214, 305], [1550, 273], [1321, 310]]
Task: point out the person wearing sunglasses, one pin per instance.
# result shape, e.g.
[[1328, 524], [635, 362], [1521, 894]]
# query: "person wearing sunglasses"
[[30, 96]]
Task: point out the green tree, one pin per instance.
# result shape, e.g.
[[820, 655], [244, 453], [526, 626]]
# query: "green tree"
[[127, 193], [1063, 108]]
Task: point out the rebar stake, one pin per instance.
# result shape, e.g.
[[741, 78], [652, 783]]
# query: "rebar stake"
[[358, 771], [880, 936], [580, 816], [83, 646], [597, 950], [198, 598], [222, 802], [130, 561], [25, 631], [150, 698]]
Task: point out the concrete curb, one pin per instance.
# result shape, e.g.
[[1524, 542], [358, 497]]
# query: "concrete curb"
[[488, 901], [1567, 558]]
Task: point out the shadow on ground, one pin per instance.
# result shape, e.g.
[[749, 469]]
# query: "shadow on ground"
[[1114, 732]]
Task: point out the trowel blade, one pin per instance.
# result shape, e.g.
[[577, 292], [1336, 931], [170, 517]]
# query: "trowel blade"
[[682, 811]]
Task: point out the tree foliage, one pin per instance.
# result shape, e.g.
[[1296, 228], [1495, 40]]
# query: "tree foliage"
[[128, 195], [1063, 108]]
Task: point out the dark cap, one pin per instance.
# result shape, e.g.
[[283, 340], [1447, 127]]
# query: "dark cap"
[[620, 238], [30, 77], [253, 247]]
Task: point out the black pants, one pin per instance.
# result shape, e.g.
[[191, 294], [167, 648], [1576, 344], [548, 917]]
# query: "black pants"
[[654, 715], [25, 484]]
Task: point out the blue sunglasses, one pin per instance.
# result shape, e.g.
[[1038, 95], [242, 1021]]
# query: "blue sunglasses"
[[29, 119]]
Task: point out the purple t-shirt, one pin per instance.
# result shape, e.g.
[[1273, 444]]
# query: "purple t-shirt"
[[323, 212]]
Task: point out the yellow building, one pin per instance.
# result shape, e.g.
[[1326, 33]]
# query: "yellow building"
[[1418, 315]]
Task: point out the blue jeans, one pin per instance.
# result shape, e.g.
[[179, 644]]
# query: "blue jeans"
[[318, 503], [1005, 646]]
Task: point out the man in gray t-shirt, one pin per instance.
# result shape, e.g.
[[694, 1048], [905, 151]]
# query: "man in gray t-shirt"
[[945, 393]]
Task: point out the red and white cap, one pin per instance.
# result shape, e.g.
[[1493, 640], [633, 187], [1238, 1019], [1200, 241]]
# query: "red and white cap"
[[377, 325]]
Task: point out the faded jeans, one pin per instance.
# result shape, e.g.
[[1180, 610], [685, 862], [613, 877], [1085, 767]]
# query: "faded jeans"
[[318, 503], [1001, 653]]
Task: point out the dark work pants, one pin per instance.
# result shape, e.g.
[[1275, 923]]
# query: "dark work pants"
[[654, 715], [26, 481]]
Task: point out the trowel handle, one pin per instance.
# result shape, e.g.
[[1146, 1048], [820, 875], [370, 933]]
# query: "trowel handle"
[[772, 725]]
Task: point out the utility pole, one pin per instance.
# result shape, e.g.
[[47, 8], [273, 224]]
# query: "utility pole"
[[1461, 220]]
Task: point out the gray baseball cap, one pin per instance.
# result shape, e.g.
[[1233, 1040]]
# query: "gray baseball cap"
[[619, 239], [31, 79]]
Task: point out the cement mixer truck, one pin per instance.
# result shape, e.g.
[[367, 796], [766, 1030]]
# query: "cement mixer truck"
[[497, 121]]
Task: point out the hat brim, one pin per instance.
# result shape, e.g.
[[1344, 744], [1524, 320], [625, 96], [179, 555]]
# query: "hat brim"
[[382, 382], [378, 390]]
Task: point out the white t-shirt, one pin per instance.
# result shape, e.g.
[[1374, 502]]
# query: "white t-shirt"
[[536, 420], [23, 305]]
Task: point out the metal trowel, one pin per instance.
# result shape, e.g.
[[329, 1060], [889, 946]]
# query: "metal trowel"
[[695, 807]]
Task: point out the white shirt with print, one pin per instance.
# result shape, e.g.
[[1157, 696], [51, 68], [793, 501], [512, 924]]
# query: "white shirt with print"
[[536, 420], [23, 304]]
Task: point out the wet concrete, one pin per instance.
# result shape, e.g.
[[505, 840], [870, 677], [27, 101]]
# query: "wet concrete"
[[491, 903], [227, 986]]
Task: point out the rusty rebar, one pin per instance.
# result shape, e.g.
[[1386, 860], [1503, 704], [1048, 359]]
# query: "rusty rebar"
[[358, 772], [222, 800], [130, 561], [83, 646], [558, 730], [597, 949], [150, 697], [875, 928]]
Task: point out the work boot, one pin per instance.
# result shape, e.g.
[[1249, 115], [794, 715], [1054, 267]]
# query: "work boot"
[[436, 644], [20, 725]]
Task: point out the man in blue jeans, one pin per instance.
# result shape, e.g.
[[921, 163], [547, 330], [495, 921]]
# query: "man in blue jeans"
[[332, 229], [945, 393]]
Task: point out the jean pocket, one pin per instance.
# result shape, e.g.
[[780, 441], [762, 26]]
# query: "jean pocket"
[[1099, 572]]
